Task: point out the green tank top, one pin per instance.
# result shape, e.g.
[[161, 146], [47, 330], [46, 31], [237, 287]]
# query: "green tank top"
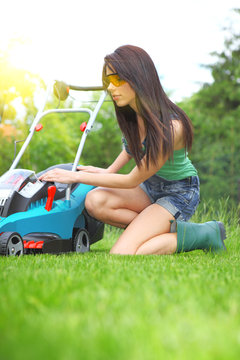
[[177, 168]]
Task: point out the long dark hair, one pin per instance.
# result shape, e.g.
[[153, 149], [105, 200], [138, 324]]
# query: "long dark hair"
[[135, 66]]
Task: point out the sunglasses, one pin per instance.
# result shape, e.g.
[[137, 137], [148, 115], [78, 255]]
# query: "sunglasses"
[[114, 79]]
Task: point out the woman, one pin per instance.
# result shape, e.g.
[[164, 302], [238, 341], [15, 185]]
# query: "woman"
[[163, 187]]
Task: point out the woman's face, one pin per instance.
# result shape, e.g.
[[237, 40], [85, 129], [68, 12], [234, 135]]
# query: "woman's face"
[[122, 95]]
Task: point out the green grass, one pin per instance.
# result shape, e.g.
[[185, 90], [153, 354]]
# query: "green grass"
[[100, 306]]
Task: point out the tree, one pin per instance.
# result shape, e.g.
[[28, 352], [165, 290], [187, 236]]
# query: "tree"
[[14, 84], [215, 112], [56, 143], [17, 87], [104, 141]]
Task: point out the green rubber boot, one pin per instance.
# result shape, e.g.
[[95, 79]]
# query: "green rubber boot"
[[208, 236]]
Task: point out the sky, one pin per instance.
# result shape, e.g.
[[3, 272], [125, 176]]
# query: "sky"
[[67, 40]]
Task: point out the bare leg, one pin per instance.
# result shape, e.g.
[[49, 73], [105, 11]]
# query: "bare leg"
[[117, 207], [148, 233], [164, 244]]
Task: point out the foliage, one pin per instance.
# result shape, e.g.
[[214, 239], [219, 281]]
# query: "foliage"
[[17, 87], [56, 143], [215, 112], [19, 92], [101, 306], [14, 84], [7, 151], [59, 139], [104, 142]]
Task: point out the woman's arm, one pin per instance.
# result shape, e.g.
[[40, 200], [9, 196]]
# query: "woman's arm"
[[111, 180], [122, 159]]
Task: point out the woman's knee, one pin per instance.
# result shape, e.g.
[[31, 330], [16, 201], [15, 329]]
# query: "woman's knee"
[[95, 202]]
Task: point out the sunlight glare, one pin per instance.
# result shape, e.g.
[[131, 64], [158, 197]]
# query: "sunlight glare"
[[23, 54]]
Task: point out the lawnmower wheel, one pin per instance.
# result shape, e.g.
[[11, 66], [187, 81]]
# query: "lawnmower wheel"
[[11, 244], [81, 241]]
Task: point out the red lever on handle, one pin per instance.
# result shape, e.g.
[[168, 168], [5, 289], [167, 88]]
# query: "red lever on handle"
[[51, 194], [83, 126], [38, 127]]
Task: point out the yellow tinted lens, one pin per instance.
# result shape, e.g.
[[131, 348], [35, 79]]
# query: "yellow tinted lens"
[[116, 80]]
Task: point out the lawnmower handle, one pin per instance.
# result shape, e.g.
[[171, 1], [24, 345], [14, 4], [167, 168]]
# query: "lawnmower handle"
[[61, 89], [86, 88]]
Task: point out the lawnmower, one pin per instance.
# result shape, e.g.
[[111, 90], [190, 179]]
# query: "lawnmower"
[[43, 217]]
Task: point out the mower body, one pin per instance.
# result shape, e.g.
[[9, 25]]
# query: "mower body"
[[37, 216], [23, 200]]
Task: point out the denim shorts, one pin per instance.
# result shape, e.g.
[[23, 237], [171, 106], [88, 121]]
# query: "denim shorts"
[[179, 197]]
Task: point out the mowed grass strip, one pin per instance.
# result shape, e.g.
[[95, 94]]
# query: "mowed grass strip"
[[101, 306]]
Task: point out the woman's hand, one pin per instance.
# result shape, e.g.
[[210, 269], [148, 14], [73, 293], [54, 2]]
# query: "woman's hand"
[[60, 175]]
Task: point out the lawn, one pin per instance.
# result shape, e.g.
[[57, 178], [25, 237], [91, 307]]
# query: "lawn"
[[101, 306]]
